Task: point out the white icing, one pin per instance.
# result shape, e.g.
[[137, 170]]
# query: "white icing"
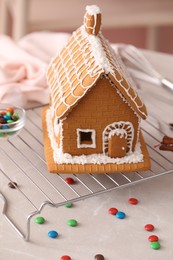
[[98, 52], [121, 128], [92, 9], [94, 50], [93, 138], [119, 132], [60, 158], [123, 98]]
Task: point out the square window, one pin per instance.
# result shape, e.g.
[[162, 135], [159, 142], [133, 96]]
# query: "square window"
[[86, 138]]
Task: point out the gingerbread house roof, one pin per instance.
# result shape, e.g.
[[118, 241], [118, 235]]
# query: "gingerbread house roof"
[[83, 61]]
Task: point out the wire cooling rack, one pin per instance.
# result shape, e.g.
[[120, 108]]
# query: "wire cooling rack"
[[22, 161]]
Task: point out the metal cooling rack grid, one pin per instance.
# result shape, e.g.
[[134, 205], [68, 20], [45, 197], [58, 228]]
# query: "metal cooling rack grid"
[[23, 161]]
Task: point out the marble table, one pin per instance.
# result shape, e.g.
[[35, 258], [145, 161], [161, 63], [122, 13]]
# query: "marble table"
[[97, 232]]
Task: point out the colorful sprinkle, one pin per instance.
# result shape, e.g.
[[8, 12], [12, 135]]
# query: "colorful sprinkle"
[[149, 227], [113, 211], [39, 220], [133, 201], [72, 223], [155, 245], [52, 234], [120, 215], [153, 238]]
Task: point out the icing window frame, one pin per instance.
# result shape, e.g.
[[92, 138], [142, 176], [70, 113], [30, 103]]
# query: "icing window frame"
[[89, 142]]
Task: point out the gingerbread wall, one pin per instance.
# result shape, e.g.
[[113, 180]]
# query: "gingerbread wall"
[[100, 107]]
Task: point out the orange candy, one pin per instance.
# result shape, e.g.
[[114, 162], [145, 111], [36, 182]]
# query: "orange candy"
[[10, 109]]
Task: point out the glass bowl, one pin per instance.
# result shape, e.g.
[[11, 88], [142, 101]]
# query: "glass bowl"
[[12, 120]]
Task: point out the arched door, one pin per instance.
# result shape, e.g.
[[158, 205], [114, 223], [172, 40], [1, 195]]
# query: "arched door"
[[118, 138]]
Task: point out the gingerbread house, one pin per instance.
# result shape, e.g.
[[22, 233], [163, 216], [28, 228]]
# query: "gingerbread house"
[[92, 123]]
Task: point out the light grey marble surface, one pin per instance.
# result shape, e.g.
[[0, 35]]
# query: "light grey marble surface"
[[99, 232]]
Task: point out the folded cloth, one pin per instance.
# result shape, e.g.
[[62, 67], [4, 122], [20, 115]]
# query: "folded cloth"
[[23, 66]]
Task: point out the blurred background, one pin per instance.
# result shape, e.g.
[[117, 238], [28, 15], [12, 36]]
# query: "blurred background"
[[146, 24]]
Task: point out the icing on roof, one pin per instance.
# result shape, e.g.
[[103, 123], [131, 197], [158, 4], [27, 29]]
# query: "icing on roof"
[[79, 65]]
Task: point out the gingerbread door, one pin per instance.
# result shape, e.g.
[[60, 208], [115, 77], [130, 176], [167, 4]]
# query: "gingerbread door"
[[117, 146], [117, 139]]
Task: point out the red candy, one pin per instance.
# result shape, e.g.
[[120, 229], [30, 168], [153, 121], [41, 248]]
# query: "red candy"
[[149, 227], [69, 180], [133, 201], [65, 257], [113, 211], [153, 238], [2, 112]]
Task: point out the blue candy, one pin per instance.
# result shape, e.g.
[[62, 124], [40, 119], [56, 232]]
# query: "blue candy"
[[6, 117], [120, 215], [4, 127], [52, 234]]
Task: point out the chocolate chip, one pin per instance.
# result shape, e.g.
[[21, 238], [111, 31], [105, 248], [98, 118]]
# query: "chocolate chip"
[[99, 257], [2, 120], [12, 184]]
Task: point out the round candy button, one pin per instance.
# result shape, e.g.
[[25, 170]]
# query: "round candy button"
[[149, 227], [68, 205], [113, 211], [10, 110], [70, 180], [133, 201], [65, 257], [72, 223], [39, 220], [120, 215], [155, 245], [99, 257], [153, 238], [52, 234]]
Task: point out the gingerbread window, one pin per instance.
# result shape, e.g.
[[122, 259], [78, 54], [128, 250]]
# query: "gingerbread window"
[[86, 138]]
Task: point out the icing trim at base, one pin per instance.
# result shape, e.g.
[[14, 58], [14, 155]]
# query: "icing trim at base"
[[65, 158]]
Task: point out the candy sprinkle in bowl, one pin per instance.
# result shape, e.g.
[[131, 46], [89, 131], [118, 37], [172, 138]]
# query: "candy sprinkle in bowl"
[[12, 120]]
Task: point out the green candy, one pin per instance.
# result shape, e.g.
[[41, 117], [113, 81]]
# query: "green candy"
[[72, 223], [8, 114], [155, 245], [10, 121], [68, 205], [39, 220], [12, 133], [15, 116]]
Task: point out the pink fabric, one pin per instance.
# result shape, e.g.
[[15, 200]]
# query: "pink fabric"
[[23, 66]]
